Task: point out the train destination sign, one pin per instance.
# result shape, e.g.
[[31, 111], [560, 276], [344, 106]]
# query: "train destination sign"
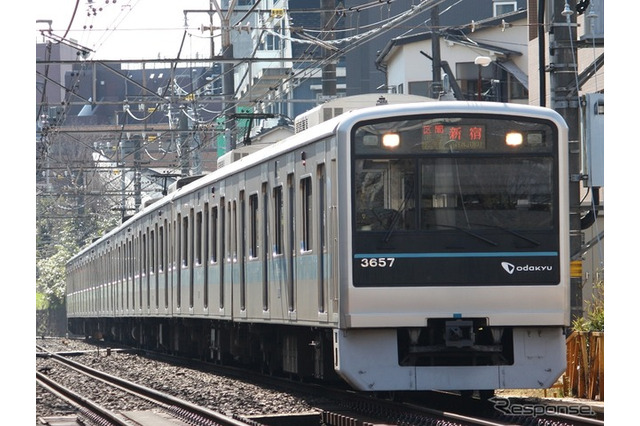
[[439, 136]]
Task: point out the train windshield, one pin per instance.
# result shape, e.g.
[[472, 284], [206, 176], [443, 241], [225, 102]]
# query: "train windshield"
[[455, 200]]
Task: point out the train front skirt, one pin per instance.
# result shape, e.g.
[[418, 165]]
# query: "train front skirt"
[[368, 360]]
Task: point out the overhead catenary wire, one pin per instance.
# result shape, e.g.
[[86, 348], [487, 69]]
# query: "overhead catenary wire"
[[302, 73]]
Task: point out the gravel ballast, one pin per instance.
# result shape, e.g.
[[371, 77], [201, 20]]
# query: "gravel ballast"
[[226, 395]]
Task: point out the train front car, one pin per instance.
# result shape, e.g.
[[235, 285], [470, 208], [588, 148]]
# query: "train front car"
[[458, 273]]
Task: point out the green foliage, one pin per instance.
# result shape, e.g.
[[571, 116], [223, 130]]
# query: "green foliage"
[[41, 301], [50, 280], [594, 318], [57, 241]]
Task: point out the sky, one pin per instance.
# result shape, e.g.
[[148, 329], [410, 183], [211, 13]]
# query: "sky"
[[129, 29]]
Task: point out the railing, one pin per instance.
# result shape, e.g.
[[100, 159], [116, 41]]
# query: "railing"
[[584, 377]]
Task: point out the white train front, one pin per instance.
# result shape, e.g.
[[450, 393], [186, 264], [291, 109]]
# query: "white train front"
[[402, 247]]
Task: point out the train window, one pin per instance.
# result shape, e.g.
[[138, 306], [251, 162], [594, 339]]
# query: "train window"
[[185, 241], [278, 217], [152, 252], [161, 249], [213, 237], [198, 242], [253, 225], [307, 213], [230, 247]]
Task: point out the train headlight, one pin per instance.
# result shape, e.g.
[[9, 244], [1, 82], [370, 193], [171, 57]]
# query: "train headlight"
[[390, 140], [514, 139]]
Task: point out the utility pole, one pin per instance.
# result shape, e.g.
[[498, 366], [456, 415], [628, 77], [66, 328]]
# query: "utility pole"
[[436, 86], [329, 79], [137, 171], [563, 68], [184, 142]]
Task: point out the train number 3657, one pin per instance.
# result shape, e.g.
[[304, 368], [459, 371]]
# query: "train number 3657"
[[377, 262]]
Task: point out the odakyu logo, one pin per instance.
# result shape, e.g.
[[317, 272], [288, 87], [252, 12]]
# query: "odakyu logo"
[[511, 268]]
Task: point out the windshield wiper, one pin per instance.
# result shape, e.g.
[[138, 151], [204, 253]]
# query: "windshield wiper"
[[510, 231], [397, 214], [473, 234]]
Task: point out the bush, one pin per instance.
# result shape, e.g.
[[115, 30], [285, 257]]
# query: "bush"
[[594, 318]]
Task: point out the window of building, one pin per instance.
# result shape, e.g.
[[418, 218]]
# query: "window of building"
[[517, 90], [271, 40], [502, 7], [418, 88]]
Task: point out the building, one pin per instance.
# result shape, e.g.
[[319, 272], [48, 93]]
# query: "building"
[[331, 47], [499, 41], [364, 76]]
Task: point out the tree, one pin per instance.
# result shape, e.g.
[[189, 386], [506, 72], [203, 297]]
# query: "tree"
[[70, 213]]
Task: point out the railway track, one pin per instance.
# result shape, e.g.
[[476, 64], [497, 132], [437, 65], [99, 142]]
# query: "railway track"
[[159, 405], [347, 408], [340, 407]]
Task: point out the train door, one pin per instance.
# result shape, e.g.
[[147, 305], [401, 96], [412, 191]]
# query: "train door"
[[322, 241], [265, 250], [332, 229], [179, 252], [278, 258], [204, 217], [291, 250], [242, 254], [231, 255], [121, 278], [155, 268], [171, 264], [129, 275], [223, 255], [163, 265], [141, 264], [190, 237], [146, 269]]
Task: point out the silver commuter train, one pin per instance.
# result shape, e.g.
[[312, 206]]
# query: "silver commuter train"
[[402, 247]]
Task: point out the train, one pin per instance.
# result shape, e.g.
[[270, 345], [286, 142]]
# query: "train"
[[399, 247]]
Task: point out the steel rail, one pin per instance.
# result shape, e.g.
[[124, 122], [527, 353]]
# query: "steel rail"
[[151, 394], [79, 401]]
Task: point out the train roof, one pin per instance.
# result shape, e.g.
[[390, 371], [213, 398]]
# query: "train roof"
[[321, 130]]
